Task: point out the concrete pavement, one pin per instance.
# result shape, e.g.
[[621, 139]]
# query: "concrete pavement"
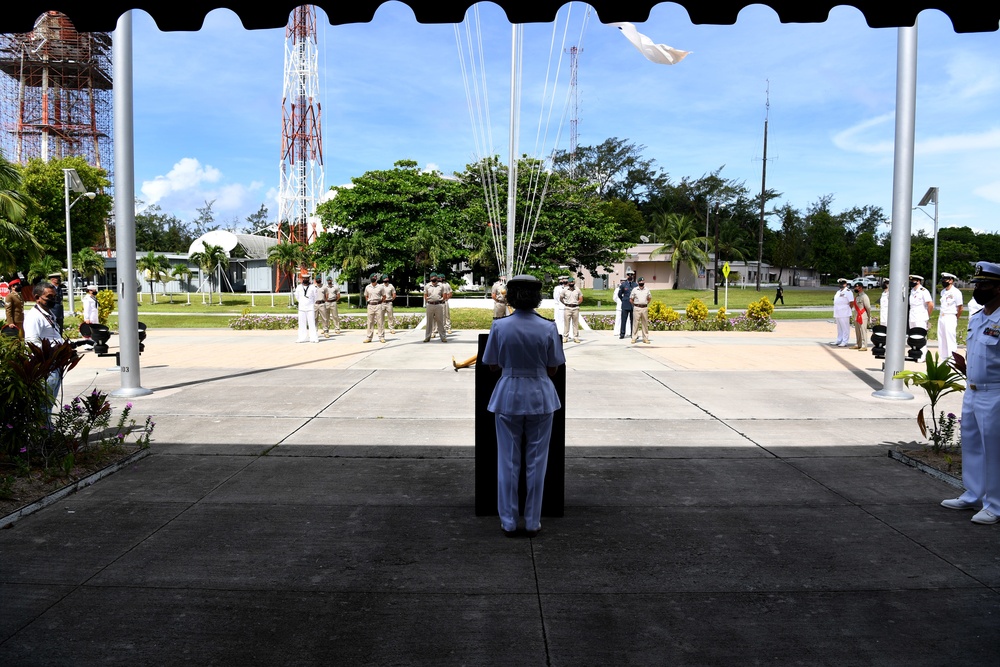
[[729, 502]]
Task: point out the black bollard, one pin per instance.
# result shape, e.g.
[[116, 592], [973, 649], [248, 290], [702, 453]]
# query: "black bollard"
[[554, 494]]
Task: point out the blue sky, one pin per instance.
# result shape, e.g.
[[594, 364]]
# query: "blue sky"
[[208, 105]]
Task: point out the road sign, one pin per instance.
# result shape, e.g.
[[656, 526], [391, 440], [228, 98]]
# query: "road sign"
[[4, 289], [725, 270]]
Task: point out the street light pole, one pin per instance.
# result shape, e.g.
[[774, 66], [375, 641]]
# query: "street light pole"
[[72, 182], [932, 196]]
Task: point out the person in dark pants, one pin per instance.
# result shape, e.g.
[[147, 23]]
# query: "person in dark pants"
[[527, 349], [624, 292], [779, 295]]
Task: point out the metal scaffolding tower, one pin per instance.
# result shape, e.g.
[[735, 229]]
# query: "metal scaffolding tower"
[[574, 121], [55, 93], [301, 131]]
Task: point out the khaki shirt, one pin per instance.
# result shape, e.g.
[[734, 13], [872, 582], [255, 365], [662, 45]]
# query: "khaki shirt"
[[434, 294], [323, 296], [14, 307], [390, 292], [641, 296], [571, 297], [374, 294], [499, 292]]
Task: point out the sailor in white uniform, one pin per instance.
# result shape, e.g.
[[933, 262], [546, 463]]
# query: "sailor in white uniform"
[[951, 310]]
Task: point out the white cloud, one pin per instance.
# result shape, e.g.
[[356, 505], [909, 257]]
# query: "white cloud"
[[859, 139], [971, 75], [990, 191], [187, 174]]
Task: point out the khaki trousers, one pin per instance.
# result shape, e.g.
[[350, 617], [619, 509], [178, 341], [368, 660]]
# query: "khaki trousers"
[[435, 318], [375, 315], [572, 317], [641, 315]]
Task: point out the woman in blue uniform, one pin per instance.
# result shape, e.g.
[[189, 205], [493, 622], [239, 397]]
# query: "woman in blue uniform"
[[527, 349]]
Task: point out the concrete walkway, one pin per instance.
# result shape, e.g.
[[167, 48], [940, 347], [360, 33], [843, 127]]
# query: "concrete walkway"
[[729, 502]]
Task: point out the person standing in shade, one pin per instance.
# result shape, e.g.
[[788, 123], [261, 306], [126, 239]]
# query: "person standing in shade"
[[434, 305], [305, 296], [981, 403], [641, 298], [843, 304], [390, 296], [921, 305], [323, 307], [571, 299], [334, 291], [951, 309], [13, 305], [779, 295], [559, 309], [374, 296], [499, 294], [624, 292], [525, 347], [58, 312]]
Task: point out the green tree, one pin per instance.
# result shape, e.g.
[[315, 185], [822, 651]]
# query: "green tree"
[[614, 169], [43, 267], [287, 257], [257, 223], [205, 220], [209, 259], [681, 241], [153, 268], [17, 244], [159, 231], [828, 250], [88, 264], [44, 183], [183, 274]]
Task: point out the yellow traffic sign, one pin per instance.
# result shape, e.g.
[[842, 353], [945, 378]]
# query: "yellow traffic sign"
[[725, 270]]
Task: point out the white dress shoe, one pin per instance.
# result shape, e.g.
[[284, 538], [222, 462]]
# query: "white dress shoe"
[[959, 504], [985, 517]]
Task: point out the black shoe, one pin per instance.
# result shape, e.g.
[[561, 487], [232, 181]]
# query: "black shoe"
[[621, 338], [533, 533], [509, 533]]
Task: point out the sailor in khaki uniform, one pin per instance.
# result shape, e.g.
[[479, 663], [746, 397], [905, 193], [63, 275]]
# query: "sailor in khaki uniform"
[[981, 403], [862, 314], [390, 296], [334, 300], [434, 303], [951, 309], [499, 294], [447, 297], [375, 297], [640, 299], [323, 307], [571, 298]]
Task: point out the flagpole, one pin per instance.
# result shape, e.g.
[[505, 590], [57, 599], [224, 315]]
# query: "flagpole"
[[516, 33]]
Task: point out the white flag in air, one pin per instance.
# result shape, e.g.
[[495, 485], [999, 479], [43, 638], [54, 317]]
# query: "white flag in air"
[[658, 53]]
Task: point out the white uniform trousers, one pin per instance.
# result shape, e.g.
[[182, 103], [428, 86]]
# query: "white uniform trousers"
[[843, 330], [307, 326], [538, 431], [947, 335], [981, 448]]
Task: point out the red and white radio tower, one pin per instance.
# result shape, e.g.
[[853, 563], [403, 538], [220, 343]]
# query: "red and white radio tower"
[[301, 137]]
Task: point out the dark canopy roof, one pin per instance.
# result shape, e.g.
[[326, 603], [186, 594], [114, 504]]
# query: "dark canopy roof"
[[101, 15]]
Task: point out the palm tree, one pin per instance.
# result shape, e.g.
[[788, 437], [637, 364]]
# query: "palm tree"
[[681, 241], [209, 259], [732, 243], [14, 204], [287, 257], [153, 267], [183, 273], [42, 267], [88, 263]]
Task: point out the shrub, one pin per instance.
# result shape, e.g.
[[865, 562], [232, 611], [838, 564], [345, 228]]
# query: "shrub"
[[658, 312], [722, 321], [697, 313], [107, 300], [761, 309]]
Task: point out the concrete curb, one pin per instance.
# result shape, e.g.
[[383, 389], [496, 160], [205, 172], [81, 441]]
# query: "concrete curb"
[[951, 480], [82, 483]]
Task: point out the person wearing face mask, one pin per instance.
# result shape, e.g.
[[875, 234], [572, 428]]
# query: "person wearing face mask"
[[951, 310], [862, 313], [921, 305], [40, 324], [981, 403]]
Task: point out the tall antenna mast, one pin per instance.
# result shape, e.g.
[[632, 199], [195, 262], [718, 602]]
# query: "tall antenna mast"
[[574, 121], [301, 138], [763, 185]]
